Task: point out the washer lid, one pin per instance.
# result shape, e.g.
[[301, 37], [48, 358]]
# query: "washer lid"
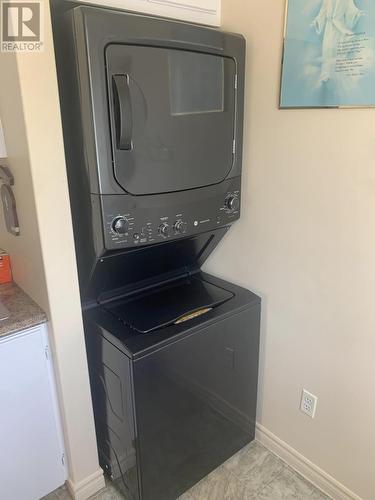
[[179, 301]]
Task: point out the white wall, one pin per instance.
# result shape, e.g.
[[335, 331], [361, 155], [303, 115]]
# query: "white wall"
[[195, 11], [43, 257], [26, 258], [306, 244]]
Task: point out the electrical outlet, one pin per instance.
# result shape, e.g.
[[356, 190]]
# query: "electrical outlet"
[[308, 403]]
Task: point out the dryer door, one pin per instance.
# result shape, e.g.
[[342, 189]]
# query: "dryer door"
[[172, 117]]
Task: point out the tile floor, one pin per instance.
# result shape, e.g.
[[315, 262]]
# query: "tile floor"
[[253, 473]]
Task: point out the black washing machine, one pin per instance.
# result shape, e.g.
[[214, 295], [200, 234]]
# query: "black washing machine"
[[174, 380], [152, 113]]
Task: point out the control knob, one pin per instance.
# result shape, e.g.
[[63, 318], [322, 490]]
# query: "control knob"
[[232, 203], [180, 227], [120, 225], [164, 229]]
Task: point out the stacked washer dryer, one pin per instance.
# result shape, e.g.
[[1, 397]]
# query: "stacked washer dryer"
[[152, 115]]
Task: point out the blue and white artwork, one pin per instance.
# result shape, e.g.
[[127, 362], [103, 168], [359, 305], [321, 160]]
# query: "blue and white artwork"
[[329, 54]]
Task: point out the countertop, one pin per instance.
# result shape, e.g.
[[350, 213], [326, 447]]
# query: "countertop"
[[24, 312]]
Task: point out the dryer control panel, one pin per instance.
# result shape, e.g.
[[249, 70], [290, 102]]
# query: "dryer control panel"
[[130, 221]]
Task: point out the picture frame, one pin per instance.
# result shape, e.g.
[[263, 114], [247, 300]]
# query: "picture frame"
[[328, 54]]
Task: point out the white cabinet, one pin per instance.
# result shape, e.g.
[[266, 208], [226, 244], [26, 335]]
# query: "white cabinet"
[[196, 11], [31, 447]]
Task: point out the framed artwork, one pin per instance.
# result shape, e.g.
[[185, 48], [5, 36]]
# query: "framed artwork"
[[329, 54]]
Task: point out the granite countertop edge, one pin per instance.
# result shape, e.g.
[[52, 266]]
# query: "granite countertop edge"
[[24, 313]]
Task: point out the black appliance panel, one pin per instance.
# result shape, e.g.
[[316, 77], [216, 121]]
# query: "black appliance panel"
[[133, 269], [151, 219], [172, 117], [176, 302], [195, 403], [111, 390]]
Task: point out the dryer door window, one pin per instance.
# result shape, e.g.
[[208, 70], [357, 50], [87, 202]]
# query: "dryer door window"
[[172, 118]]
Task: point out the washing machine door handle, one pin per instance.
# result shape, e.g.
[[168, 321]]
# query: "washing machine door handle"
[[123, 111]]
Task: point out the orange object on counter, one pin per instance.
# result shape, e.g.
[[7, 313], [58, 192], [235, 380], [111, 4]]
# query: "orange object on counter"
[[5, 269]]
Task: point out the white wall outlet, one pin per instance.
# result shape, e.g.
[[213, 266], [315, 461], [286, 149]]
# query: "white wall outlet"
[[308, 403]]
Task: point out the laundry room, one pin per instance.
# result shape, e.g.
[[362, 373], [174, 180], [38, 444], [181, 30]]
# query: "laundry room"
[[187, 233]]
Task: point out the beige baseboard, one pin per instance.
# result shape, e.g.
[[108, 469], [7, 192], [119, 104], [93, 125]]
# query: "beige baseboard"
[[326, 483], [87, 487]]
